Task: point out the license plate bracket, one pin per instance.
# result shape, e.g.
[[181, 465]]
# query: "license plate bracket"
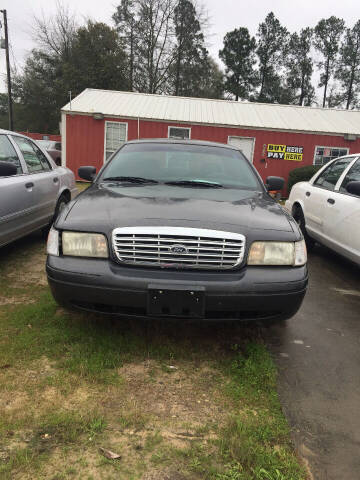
[[179, 301]]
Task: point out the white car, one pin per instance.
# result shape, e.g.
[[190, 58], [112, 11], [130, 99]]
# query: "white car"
[[33, 189], [327, 208]]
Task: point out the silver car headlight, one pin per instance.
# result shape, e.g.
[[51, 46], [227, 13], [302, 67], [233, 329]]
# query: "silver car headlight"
[[78, 244], [278, 253]]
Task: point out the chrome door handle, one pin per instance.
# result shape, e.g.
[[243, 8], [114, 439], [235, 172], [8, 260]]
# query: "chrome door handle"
[[331, 201]]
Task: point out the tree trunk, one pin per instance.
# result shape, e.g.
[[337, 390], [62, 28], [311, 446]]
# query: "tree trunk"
[[262, 84], [326, 81], [302, 92], [349, 93], [178, 61], [132, 59]]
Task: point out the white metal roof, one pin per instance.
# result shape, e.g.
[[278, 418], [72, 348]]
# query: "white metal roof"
[[216, 112]]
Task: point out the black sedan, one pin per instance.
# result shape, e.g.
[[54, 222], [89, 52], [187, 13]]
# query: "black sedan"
[[183, 229]]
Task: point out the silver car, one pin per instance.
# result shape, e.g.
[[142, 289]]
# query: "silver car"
[[33, 189], [53, 148]]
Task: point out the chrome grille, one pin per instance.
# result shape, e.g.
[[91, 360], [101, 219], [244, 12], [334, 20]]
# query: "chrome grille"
[[178, 247]]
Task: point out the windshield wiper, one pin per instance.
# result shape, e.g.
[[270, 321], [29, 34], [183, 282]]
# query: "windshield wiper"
[[195, 183], [130, 180]]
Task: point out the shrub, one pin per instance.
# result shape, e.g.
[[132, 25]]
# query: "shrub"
[[302, 174]]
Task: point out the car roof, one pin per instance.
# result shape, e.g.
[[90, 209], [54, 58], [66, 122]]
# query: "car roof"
[[179, 141], [9, 132]]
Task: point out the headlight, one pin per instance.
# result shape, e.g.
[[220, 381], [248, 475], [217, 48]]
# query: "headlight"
[[278, 253], [52, 246], [79, 244]]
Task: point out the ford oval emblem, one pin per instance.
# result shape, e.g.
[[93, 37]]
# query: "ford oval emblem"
[[178, 249]]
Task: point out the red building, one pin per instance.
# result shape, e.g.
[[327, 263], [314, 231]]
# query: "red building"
[[42, 136], [276, 138]]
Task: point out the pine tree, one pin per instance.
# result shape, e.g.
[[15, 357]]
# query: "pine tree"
[[348, 69], [272, 43], [194, 73], [126, 25], [327, 37], [189, 43], [239, 58], [299, 64]]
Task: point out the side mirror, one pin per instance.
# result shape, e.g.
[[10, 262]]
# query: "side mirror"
[[274, 183], [87, 173], [353, 188], [7, 169]]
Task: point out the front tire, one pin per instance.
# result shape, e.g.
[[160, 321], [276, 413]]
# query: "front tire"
[[300, 220]]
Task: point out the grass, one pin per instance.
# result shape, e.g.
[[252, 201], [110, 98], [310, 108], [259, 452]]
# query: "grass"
[[70, 383], [81, 186]]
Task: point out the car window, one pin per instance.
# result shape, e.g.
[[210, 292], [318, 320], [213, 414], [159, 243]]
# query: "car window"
[[33, 156], [353, 175], [58, 146], [8, 153], [329, 177], [45, 144], [168, 162]]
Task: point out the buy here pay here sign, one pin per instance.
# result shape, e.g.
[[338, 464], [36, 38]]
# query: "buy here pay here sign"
[[285, 152]]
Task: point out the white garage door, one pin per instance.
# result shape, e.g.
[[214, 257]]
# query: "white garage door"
[[245, 144]]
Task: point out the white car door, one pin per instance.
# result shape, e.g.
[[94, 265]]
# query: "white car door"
[[45, 180], [342, 218], [316, 197]]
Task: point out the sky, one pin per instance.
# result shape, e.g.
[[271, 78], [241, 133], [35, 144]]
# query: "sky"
[[224, 16]]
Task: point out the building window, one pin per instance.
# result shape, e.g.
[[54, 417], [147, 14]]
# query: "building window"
[[325, 154], [115, 136], [179, 133]]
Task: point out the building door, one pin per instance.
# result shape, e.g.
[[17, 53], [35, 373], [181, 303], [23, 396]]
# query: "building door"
[[245, 144]]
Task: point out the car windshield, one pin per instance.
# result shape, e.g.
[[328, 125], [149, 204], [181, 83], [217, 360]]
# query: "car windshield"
[[183, 165]]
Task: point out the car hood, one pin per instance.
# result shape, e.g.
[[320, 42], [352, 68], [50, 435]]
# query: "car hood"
[[107, 206]]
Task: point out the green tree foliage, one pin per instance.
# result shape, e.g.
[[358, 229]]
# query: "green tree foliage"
[[239, 58], [194, 73], [97, 60], [348, 70], [211, 80], [189, 50], [90, 57], [299, 67], [37, 91], [302, 174], [127, 27], [166, 50], [272, 44], [327, 37]]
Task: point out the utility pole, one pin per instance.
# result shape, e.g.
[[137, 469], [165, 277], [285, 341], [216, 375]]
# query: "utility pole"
[[11, 120]]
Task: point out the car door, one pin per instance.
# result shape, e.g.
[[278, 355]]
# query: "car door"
[[342, 219], [17, 201], [317, 195], [44, 179]]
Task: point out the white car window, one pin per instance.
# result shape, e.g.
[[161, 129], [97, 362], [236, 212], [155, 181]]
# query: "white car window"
[[353, 175], [33, 156], [330, 176], [8, 154]]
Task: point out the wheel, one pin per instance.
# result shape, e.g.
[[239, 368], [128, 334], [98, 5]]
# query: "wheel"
[[300, 220]]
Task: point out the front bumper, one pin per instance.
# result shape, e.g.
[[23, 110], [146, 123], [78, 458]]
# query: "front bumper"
[[252, 293]]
